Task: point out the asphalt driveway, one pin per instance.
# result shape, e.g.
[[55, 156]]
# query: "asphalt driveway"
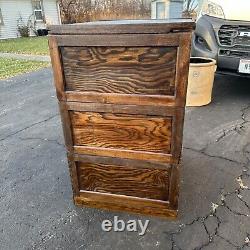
[[36, 209]]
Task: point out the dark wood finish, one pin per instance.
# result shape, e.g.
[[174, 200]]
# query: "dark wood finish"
[[129, 132], [177, 133], [151, 183], [121, 87], [120, 162], [125, 153], [66, 124], [125, 27], [160, 111], [125, 40], [154, 100], [146, 70], [125, 203], [182, 68], [57, 68], [174, 186], [173, 115]]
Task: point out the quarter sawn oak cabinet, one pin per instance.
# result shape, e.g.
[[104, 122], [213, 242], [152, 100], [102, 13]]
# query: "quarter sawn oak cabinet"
[[121, 87]]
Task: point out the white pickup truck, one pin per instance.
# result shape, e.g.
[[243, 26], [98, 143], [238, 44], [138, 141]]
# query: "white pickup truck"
[[223, 33]]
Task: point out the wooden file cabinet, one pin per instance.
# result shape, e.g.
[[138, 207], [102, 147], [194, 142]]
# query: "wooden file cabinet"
[[121, 87]]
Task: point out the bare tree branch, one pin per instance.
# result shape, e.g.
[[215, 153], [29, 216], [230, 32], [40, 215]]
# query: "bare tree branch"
[[88, 10]]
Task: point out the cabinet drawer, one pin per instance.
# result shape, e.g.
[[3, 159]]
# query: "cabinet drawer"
[[122, 131], [124, 180], [125, 131], [120, 70]]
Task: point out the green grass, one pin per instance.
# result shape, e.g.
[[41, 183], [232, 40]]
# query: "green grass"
[[13, 67], [27, 45]]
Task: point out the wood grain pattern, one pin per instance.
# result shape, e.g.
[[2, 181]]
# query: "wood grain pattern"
[[121, 162], [106, 130], [150, 26], [183, 58], [131, 181], [66, 124], [160, 111], [126, 154], [57, 68], [177, 134], [174, 186], [133, 70], [126, 203], [120, 40], [153, 100], [121, 87]]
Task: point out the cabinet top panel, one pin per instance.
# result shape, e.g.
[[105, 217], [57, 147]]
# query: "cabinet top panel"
[[151, 26]]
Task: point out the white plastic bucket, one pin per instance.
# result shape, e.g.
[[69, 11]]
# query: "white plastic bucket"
[[200, 81]]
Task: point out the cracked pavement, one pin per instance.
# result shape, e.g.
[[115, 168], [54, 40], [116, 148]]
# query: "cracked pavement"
[[36, 208]]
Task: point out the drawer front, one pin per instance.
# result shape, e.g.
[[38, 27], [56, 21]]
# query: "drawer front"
[[121, 70], [138, 69], [147, 183], [122, 131]]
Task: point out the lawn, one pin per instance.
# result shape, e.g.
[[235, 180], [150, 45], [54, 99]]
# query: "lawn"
[[27, 45], [13, 67]]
